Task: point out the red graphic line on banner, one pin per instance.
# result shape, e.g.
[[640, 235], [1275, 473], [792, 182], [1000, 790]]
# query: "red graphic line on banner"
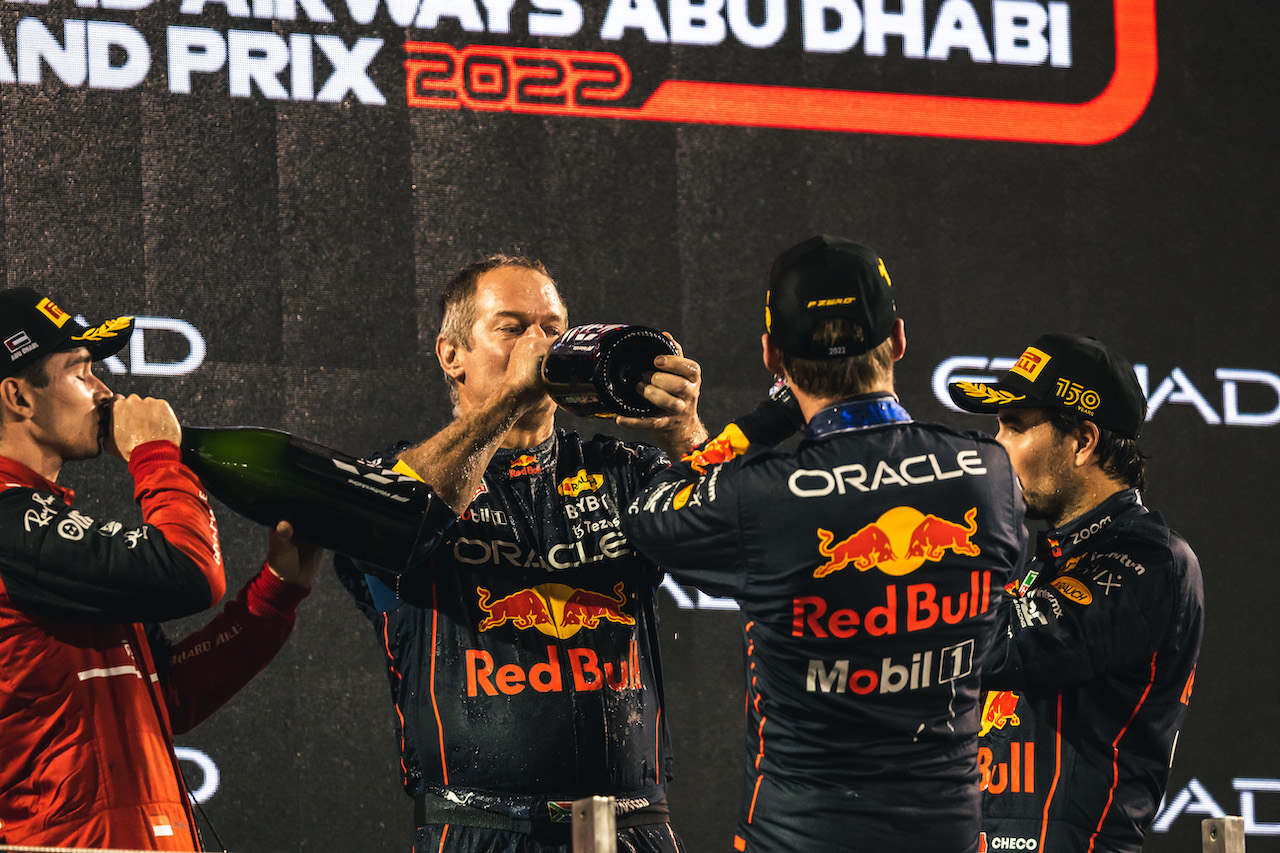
[[578, 83]]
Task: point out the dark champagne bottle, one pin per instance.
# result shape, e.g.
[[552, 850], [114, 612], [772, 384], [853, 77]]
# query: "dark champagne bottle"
[[335, 500], [594, 370]]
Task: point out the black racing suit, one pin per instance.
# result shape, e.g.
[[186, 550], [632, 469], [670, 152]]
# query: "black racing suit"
[[522, 648], [1104, 633], [868, 566]]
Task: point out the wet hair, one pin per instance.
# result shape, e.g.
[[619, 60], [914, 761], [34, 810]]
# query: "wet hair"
[[1118, 457], [841, 377], [458, 301], [457, 308]]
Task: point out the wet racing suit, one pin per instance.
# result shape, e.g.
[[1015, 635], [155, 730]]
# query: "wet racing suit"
[[868, 565], [522, 649], [89, 697], [1104, 634]]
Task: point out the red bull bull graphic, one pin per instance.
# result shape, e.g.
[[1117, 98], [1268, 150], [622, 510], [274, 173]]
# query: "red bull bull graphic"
[[585, 608], [866, 549], [524, 465], [935, 536], [524, 609], [554, 609], [722, 448], [898, 542], [999, 709]]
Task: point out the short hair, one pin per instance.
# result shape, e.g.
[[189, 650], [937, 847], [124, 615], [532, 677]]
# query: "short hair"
[[1118, 456], [841, 377], [35, 374], [458, 301]]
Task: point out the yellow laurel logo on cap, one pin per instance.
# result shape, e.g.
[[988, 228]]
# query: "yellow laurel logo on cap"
[[1030, 363], [989, 394], [884, 272], [109, 329]]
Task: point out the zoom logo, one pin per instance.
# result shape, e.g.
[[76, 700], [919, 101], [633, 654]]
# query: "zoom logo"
[[166, 334]]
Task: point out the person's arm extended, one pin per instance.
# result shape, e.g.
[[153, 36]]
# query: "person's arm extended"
[[203, 671], [453, 460]]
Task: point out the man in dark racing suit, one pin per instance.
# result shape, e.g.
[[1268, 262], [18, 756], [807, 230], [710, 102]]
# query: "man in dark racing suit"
[[868, 565], [1087, 696], [522, 644], [92, 696]]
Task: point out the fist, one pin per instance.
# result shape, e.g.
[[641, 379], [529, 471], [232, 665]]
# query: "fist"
[[136, 420]]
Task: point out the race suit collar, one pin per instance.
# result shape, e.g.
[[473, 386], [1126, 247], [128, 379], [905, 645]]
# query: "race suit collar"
[[1074, 536], [510, 463], [13, 473], [857, 413]]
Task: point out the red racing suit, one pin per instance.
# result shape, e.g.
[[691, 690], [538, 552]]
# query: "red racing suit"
[[868, 565], [1083, 711], [89, 696]]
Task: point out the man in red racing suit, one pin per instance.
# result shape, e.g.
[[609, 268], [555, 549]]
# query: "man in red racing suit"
[[89, 695]]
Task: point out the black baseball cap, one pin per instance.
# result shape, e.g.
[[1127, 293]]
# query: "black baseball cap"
[[32, 326], [1068, 372], [823, 278]]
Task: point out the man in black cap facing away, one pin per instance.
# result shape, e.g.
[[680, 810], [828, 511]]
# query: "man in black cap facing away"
[[1104, 629], [868, 565]]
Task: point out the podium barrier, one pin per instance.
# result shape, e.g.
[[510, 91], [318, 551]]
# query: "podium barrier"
[[595, 827], [1222, 835]]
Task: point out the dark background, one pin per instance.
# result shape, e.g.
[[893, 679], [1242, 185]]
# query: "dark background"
[[308, 242]]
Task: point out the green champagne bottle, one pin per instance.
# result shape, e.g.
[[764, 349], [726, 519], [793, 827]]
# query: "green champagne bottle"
[[337, 501]]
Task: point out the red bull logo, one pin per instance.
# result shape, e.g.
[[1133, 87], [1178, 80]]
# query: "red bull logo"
[[524, 465], [1017, 775], [898, 543], [554, 609], [586, 672], [722, 448], [999, 710]]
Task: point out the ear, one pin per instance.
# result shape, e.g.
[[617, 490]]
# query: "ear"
[[14, 399], [1086, 439], [899, 338], [772, 356], [450, 356]]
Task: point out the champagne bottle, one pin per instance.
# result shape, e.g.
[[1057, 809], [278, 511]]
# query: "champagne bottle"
[[594, 370], [371, 513]]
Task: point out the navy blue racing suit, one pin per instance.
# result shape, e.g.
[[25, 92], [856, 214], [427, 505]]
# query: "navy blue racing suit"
[[522, 650], [868, 565], [1082, 715]]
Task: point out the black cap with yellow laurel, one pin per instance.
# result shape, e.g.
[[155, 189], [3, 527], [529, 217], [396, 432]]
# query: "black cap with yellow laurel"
[[32, 326], [1068, 372], [823, 278]]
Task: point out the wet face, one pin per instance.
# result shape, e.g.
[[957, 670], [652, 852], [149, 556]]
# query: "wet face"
[[66, 417], [509, 302], [1042, 460]]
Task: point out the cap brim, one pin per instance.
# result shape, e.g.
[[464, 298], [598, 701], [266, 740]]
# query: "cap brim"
[[106, 339], [987, 398]]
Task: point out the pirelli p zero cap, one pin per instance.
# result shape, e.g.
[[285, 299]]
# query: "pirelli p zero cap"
[[823, 278], [32, 326], [1069, 372]]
